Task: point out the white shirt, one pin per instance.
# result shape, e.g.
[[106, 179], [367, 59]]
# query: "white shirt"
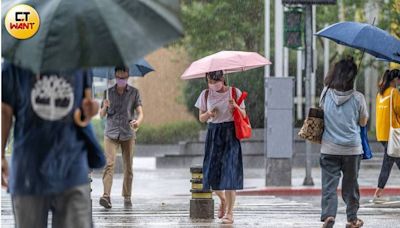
[[219, 101]]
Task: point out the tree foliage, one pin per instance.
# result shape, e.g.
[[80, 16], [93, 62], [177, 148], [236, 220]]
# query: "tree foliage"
[[215, 25]]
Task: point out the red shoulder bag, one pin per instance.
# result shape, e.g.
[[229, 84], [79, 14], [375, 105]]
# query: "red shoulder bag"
[[242, 123]]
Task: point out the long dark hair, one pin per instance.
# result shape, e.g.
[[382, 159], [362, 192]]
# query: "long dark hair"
[[342, 76], [387, 78]]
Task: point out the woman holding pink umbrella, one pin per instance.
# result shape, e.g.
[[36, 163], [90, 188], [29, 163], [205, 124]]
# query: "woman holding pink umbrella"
[[222, 165]]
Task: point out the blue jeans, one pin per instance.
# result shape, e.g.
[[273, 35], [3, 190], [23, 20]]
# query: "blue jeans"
[[71, 208], [331, 168]]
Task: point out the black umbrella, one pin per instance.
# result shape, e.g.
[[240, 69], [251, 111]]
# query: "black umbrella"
[[89, 33]]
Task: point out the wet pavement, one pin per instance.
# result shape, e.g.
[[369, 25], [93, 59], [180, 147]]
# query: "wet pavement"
[[161, 199]]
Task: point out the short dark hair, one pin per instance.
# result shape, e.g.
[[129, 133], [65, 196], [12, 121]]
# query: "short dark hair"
[[387, 78], [343, 75], [122, 68]]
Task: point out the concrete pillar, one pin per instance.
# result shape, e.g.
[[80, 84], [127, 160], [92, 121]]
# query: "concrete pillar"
[[275, 178], [278, 145]]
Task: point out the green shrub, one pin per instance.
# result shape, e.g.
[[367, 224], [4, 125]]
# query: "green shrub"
[[169, 133]]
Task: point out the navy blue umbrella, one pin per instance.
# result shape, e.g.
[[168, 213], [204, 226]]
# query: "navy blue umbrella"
[[364, 37], [139, 69]]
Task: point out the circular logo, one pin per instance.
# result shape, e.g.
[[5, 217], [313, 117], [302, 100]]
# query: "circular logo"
[[52, 97], [22, 21]]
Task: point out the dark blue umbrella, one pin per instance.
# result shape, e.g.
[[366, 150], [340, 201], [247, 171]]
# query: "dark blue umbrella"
[[139, 69], [82, 34], [364, 37]]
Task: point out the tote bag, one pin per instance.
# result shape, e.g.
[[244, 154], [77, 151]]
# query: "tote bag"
[[393, 149], [242, 123]]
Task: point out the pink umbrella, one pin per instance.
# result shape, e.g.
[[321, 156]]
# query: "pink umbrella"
[[227, 61]]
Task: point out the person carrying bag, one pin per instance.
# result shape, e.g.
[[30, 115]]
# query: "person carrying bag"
[[387, 127]]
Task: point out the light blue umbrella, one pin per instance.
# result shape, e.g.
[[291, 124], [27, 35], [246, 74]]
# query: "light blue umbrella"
[[139, 69], [364, 37]]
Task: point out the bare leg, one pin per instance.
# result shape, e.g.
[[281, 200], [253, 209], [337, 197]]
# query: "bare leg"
[[230, 201], [378, 192], [222, 206]]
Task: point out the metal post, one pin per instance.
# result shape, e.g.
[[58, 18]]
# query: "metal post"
[[278, 38], [285, 62], [326, 55], [267, 33], [308, 14], [314, 58], [299, 86], [340, 48]]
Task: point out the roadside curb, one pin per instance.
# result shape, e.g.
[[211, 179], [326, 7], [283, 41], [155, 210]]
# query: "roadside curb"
[[310, 191]]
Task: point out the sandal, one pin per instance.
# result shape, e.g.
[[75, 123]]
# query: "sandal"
[[227, 219], [355, 223], [221, 210], [329, 222]]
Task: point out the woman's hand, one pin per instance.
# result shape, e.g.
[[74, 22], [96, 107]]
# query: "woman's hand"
[[213, 113], [233, 105]]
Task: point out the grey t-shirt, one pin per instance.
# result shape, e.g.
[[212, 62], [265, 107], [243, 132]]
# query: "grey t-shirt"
[[121, 112]]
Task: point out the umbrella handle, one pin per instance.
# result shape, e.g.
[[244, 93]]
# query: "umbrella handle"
[[90, 106], [107, 90]]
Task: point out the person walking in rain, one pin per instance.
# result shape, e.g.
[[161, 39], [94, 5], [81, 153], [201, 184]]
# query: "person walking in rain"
[[49, 165], [222, 165], [345, 110], [387, 91], [120, 109]]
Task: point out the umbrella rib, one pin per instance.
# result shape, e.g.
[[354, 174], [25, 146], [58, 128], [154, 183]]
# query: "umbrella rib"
[[106, 24], [164, 13], [46, 37]]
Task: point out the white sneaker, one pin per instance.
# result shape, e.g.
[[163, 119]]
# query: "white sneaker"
[[380, 200]]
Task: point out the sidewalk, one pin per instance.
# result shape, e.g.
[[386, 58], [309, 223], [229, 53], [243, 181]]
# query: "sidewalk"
[[368, 179], [146, 176]]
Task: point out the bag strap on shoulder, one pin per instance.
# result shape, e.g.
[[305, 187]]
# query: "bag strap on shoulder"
[[241, 98], [206, 97]]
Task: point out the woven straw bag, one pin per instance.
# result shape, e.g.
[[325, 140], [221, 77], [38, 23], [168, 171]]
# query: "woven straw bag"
[[313, 126]]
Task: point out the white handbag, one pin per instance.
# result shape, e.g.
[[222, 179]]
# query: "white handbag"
[[393, 149]]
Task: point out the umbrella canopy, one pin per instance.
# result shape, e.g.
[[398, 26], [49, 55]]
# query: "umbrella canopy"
[[139, 69], [227, 61], [364, 37], [77, 34]]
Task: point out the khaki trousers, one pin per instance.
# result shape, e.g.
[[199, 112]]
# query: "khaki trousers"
[[111, 147]]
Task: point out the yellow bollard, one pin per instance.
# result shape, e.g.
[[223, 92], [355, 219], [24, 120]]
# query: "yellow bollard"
[[201, 204]]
